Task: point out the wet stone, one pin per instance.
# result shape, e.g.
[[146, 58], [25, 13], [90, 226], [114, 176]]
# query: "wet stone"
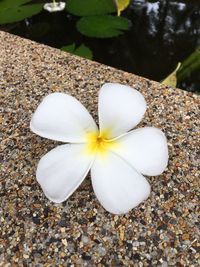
[[162, 227], [63, 223], [136, 256], [86, 257], [36, 220]]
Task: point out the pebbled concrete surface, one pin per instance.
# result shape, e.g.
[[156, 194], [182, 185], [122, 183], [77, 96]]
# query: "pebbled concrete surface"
[[163, 231]]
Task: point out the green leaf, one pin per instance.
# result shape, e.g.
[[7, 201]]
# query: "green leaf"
[[90, 7], [121, 5], [5, 4], [82, 50], [189, 65], [171, 79], [19, 13], [69, 48], [105, 26]]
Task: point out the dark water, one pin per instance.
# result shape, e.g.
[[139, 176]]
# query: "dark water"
[[162, 34]]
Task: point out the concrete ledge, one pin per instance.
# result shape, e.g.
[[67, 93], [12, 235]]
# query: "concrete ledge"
[[34, 232]]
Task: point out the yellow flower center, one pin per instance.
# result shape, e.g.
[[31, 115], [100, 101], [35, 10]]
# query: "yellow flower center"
[[98, 143]]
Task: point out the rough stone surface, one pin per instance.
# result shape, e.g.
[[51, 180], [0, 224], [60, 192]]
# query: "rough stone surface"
[[163, 231]]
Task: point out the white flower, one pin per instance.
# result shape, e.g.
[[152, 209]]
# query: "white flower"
[[116, 156], [54, 6]]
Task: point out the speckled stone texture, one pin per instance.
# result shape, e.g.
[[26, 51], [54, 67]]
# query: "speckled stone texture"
[[163, 231]]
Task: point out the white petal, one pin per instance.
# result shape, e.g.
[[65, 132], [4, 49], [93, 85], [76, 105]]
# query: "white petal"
[[118, 187], [120, 109], [54, 7], [62, 170], [145, 149], [61, 117]]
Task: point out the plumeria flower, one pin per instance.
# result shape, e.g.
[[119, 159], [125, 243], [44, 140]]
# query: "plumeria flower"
[[54, 6], [116, 156]]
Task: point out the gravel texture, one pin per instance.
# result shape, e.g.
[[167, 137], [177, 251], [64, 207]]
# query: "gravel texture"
[[163, 231]]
